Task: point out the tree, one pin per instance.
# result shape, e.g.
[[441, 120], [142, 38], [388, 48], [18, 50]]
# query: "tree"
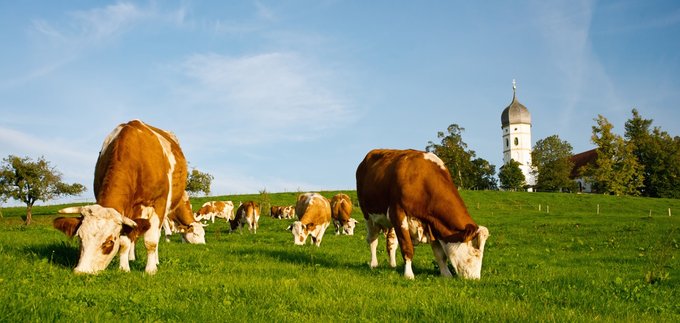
[[483, 175], [511, 176], [23, 180], [466, 171], [198, 181], [616, 169], [551, 164], [658, 153]]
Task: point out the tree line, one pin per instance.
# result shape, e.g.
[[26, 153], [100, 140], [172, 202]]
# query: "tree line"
[[645, 161]]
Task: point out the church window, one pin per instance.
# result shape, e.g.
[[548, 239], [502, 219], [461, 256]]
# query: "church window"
[[516, 141], [507, 143]]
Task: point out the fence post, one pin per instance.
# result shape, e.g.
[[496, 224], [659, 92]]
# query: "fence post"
[[547, 209], [598, 209], [650, 213], [539, 208], [669, 211]]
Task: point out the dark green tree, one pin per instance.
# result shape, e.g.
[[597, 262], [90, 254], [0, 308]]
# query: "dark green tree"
[[659, 155], [511, 176], [551, 164], [27, 181], [452, 150], [483, 175], [198, 181]]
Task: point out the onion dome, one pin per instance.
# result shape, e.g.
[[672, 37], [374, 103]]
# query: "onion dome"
[[515, 112]]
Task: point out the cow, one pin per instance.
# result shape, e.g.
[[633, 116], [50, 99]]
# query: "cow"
[[276, 211], [410, 194], [247, 213], [139, 179], [194, 234], [314, 211], [341, 209], [216, 209], [288, 212]]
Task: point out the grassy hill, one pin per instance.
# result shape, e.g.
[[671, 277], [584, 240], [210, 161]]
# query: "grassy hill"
[[549, 257]]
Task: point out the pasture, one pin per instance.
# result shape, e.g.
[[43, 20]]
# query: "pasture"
[[563, 262]]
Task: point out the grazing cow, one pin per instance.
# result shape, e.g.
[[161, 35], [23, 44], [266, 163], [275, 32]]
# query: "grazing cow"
[[314, 211], [139, 179], [276, 211], [412, 191], [194, 234], [247, 213], [216, 209], [341, 209], [289, 212]]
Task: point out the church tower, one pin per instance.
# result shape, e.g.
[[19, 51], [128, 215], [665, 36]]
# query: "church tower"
[[516, 127]]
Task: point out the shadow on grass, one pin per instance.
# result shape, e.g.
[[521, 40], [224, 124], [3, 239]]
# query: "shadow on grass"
[[61, 254], [306, 255]]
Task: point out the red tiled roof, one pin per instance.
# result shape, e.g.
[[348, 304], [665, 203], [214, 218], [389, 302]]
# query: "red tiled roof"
[[582, 159]]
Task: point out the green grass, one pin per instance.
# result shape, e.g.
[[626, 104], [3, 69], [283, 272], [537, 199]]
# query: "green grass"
[[570, 264]]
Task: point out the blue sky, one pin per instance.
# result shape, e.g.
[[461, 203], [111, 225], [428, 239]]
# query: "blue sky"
[[290, 95]]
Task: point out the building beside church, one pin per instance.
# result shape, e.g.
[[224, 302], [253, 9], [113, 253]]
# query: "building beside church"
[[516, 128]]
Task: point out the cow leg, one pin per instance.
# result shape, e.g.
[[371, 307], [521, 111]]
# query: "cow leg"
[[131, 251], [125, 245], [391, 244], [440, 257], [166, 229], [401, 227], [372, 239], [151, 238], [337, 227], [320, 235]]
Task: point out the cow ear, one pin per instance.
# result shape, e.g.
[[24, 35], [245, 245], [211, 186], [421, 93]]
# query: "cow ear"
[[142, 225], [310, 226], [290, 228], [68, 226]]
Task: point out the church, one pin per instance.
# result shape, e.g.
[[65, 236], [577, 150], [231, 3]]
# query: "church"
[[516, 128]]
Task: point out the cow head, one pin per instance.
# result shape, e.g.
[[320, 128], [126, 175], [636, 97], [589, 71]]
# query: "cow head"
[[466, 257], [98, 229], [348, 227], [300, 232], [194, 233]]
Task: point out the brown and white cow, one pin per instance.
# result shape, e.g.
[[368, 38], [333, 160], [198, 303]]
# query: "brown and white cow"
[[247, 213], [276, 211], [314, 211], [341, 209], [411, 192], [139, 179], [216, 209], [193, 234], [288, 212]]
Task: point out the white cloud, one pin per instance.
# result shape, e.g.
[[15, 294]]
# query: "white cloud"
[[264, 97]]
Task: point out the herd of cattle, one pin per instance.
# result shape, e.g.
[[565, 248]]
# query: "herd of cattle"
[[139, 185]]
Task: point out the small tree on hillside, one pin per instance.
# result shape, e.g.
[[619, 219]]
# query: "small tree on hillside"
[[23, 180], [198, 181], [511, 176], [551, 164]]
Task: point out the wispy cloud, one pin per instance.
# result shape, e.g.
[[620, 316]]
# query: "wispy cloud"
[[275, 96]]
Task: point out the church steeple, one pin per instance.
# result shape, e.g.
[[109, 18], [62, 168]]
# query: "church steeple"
[[516, 127]]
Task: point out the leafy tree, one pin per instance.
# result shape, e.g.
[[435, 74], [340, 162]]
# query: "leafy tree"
[[551, 164], [198, 181], [616, 169], [483, 175], [466, 170], [658, 153], [27, 181], [511, 176]]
